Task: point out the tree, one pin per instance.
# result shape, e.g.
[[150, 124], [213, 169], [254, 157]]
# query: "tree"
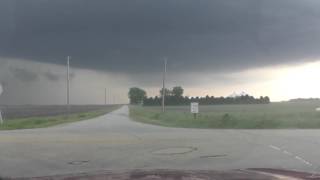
[[266, 100], [136, 95], [175, 97], [167, 92], [177, 91]]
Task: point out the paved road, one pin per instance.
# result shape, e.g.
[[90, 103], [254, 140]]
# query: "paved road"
[[114, 142]]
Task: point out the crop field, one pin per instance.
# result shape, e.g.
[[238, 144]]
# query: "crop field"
[[28, 117], [254, 116], [26, 111]]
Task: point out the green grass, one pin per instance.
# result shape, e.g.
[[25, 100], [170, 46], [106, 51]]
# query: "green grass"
[[262, 116], [42, 122]]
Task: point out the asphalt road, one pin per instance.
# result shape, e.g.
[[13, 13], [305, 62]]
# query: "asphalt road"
[[114, 142]]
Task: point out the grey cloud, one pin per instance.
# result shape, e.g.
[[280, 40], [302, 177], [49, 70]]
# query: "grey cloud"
[[51, 76], [25, 82], [72, 75], [133, 36], [23, 74]]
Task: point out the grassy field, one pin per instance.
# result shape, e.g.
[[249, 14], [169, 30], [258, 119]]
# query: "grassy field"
[[41, 122], [261, 116]]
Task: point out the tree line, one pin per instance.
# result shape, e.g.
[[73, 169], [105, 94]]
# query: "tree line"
[[175, 96]]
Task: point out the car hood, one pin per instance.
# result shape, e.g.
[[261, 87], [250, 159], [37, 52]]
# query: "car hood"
[[254, 173]]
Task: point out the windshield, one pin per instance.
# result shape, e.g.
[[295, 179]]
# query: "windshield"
[[178, 85]]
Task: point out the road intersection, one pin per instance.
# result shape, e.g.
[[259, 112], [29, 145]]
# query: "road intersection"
[[115, 142]]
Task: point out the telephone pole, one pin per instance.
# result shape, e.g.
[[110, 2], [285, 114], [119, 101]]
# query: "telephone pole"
[[68, 80], [105, 96], [68, 86], [164, 84], [1, 119]]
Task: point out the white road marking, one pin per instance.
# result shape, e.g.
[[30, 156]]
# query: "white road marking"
[[275, 147], [299, 158], [308, 163], [291, 154], [303, 161], [287, 153]]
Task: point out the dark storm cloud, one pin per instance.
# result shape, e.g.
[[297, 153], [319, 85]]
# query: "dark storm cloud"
[[52, 76], [133, 36], [23, 74]]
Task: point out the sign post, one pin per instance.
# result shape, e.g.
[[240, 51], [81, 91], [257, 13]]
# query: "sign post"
[[194, 107], [1, 119]]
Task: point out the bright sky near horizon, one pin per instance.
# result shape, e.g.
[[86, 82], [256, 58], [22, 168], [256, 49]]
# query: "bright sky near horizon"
[[279, 82]]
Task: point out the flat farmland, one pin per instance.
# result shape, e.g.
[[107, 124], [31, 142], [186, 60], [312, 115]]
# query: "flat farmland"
[[26, 111], [253, 116], [29, 116]]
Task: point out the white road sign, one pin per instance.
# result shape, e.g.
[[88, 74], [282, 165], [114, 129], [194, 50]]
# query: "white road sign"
[[194, 107]]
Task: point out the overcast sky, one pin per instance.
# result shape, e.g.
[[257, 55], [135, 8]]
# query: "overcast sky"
[[210, 44]]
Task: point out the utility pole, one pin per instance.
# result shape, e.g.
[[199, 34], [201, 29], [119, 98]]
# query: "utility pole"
[[68, 80], [1, 119], [105, 96], [164, 84], [109, 97], [68, 85]]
